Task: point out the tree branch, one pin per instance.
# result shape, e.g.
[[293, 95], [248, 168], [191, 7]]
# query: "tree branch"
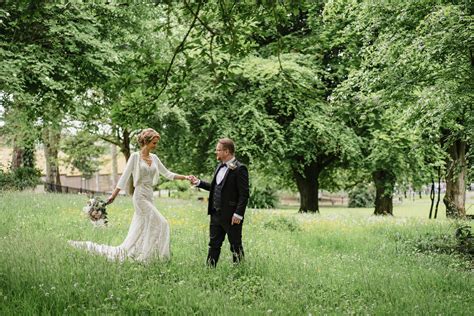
[[109, 140], [206, 26], [178, 50], [279, 38]]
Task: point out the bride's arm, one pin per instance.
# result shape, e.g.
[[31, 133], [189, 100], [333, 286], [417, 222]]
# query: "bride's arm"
[[180, 177], [123, 179], [168, 174], [113, 196]]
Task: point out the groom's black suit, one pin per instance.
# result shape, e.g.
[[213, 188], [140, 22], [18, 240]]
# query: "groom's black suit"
[[226, 198]]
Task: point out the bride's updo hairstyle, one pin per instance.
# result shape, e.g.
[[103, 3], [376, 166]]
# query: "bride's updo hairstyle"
[[146, 136]]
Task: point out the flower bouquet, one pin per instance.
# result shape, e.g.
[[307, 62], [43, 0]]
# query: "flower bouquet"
[[96, 211]]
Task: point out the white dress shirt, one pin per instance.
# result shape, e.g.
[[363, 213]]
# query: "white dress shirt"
[[220, 176]]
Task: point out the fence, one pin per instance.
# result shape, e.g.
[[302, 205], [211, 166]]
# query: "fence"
[[51, 187]]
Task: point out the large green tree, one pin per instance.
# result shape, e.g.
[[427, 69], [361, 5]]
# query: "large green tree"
[[263, 77], [50, 53], [441, 62], [134, 98], [382, 94]]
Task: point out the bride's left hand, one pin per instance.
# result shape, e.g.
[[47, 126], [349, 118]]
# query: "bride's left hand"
[[110, 200]]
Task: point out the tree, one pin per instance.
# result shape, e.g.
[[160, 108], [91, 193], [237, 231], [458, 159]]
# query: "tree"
[[268, 95], [51, 53], [382, 94], [83, 152], [441, 60], [132, 99]]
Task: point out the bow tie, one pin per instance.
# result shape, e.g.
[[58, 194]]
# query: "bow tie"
[[222, 165]]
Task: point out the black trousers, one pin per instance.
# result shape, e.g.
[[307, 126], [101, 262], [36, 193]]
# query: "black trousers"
[[218, 229]]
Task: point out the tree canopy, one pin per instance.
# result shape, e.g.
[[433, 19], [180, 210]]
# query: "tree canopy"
[[316, 94]]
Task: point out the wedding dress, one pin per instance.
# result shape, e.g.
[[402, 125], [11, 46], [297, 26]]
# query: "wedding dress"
[[149, 233]]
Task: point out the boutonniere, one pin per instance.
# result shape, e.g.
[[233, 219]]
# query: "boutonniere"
[[231, 165]]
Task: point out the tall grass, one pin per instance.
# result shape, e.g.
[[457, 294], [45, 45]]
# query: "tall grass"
[[343, 261]]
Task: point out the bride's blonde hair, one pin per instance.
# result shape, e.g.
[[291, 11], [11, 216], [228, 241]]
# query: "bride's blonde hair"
[[146, 136]]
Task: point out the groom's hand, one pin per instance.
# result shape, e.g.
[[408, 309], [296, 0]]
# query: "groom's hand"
[[193, 179], [235, 220]]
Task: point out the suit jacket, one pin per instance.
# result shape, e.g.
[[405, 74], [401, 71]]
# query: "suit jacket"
[[235, 191]]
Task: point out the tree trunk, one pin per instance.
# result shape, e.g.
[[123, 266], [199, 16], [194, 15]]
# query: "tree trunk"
[[114, 165], [308, 186], [125, 149], [456, 170], [432, 196], [51, 138], [439, 192], [23, 156], [17, 157], [384, 184], [29, 159]]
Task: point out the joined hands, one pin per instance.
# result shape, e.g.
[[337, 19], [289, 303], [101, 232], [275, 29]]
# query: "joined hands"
[[192, 179]]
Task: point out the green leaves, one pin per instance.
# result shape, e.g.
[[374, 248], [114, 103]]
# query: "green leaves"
[[410, 86], [83, 153]]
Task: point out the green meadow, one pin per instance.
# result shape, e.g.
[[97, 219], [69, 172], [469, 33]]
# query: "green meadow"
[[343, 261]]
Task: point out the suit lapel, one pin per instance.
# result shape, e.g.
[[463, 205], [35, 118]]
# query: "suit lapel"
[[227, 173], [215, 175], [214, 179], [225, 176]]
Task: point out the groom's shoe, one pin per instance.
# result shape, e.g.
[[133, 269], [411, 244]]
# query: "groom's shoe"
[[211, 262], [237, 254], [213, 257]]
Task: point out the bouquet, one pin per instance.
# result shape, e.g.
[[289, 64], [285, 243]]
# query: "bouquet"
[[96, 211]]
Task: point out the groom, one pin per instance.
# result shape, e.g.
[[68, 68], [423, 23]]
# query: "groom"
[[228, 197]]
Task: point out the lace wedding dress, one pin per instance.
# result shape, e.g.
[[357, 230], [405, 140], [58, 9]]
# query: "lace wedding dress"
[[149, 234]]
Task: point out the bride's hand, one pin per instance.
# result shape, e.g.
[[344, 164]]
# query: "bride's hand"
[[193, 179], [110, 199]]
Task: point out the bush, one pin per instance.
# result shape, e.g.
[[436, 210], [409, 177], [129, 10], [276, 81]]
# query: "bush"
[[19, 179], [361, 195], [281, 223], [262, 195], [180, 186], [460, 242], [465, 240], [177, 189]]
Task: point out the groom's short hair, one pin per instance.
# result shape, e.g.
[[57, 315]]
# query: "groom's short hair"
[[227, 144]]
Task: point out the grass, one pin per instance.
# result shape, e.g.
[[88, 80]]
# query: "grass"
[[343, 261]]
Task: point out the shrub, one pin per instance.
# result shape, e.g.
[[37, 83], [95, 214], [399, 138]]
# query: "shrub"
[[177, 189], [180, 186], [5, 180], [361, 195], [460, 242], [465, 240], [263, 196], [19, 178], [281, 223]]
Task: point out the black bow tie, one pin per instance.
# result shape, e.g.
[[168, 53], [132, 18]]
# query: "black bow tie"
[[222, 165]]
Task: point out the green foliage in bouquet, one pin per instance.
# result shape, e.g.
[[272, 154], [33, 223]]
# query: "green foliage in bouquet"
[[96, 211]]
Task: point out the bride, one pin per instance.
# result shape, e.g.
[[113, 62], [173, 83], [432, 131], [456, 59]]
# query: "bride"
[[149, 232]]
